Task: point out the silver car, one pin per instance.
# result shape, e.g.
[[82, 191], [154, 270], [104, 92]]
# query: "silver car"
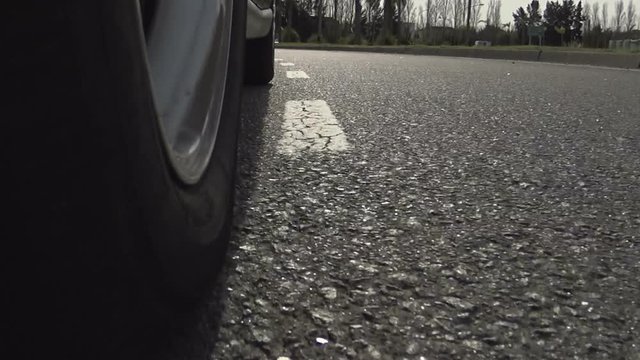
[[120, 165]]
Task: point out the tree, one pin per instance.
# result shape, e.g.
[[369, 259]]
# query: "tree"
[[521, 22], [475, 12], [560, 21], [455, 13], [605, 16], [459, 7], [522, 19], [307, 6], [533, 11], [490, 10], [587, 16], [429, 13], [631, 16], [373, 19], [577, 20], [406, 20], [411, 11], [493, 12], [347, 13], [442, 10], [319, 15], [392, 11], [496, 13], [290, 4], [618, 16], [388, 11], [358, 21], [596, 15]]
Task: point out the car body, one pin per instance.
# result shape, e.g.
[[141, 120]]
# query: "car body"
[[121, 204], [260, 14]]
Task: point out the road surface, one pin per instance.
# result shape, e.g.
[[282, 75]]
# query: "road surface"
[[418, 207]]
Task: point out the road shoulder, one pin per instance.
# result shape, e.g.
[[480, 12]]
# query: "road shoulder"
[[614, 60]]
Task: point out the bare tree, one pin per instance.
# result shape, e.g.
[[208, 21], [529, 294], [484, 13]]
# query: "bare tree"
[[319, 15], [496, 13], [388, 9], [475, 12], [605, 16], [493, 12], [631, 16], [459, 7], [406, 10], [358, 21], [618, 16], [430, 13], [374, 17], [413, 15], [409, 12], [347, 10], [596, 14], [441, 12], [446, 9], [587, 17], [490, 8], [308, 6], [403, 14]]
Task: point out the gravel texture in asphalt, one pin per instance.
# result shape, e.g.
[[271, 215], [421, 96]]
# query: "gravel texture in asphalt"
[[485, 209]]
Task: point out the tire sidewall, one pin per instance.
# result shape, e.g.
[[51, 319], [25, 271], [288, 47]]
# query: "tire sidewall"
[[172, 236], [259, 62]]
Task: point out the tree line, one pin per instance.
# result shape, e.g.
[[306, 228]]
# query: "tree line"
[[568, 23], [453, 22]]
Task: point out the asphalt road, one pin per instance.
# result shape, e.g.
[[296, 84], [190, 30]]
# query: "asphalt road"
[[461, 208]]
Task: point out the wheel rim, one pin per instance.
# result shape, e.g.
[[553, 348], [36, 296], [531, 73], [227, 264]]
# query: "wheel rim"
[[188, 44]]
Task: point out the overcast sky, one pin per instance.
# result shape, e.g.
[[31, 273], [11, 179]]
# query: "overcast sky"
[[510, 6]]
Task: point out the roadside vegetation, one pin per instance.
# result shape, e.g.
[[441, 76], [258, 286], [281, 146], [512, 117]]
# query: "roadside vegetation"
[[560, 23]]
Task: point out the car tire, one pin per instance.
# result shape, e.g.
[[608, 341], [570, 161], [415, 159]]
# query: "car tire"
[[259, 60], [103, 229]]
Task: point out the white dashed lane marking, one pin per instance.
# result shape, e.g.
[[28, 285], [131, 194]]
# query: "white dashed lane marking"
[[287, 64], [309, 125], [277, 59], [297, 75]]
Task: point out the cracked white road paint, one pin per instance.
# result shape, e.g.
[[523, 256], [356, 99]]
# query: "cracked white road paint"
[[309, 125], [297, 74], [286, 64]]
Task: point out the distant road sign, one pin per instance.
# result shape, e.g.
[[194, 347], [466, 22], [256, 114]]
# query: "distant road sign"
[[537, 31], [534, 30]]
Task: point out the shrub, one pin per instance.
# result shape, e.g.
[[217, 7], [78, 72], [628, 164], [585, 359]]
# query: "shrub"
[[355, 42], [344, 40], [386, 40], [315, 38], [332, 31], [289, 35], [351, 40], [405, 40]]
